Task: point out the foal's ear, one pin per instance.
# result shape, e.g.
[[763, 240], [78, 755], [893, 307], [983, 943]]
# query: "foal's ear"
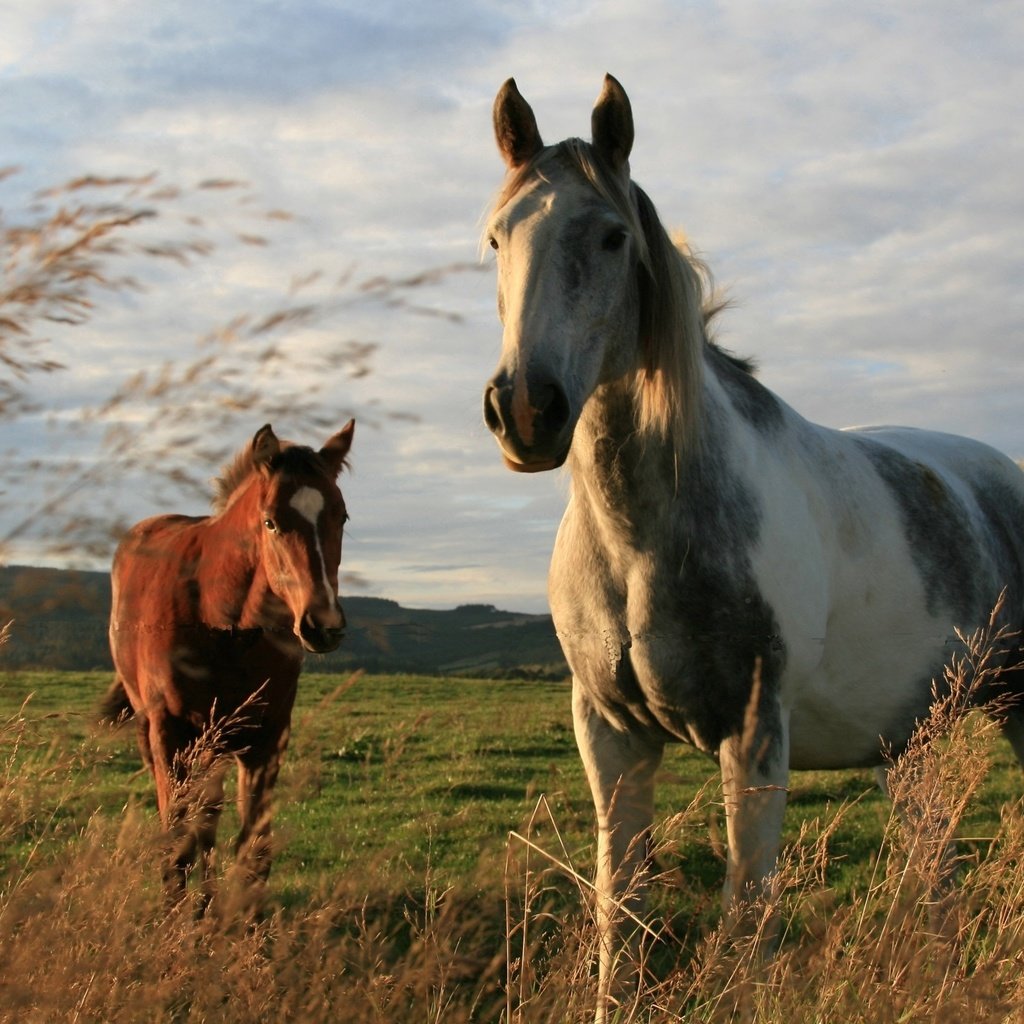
[[611, 124], [515, 127], [265, 446], [336, 448]]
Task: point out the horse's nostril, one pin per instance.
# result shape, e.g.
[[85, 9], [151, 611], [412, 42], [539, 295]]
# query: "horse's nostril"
[[554, 407], [492, 412], [321, 638]]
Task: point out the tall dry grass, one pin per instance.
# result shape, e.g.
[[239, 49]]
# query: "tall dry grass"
[[937, 936], [72, 254], [84, 934]]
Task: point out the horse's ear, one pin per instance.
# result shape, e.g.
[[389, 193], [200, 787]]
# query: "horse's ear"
[[515, 127], [611, 124], [265, 446], [336, 448]]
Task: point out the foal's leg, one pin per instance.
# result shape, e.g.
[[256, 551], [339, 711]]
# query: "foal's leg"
[[755, 778], [1012, 725], [620, 768], [257, 776], [208, 802], [142, 736], [167, 742]]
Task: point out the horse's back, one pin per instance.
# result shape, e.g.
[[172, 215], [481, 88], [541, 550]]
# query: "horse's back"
[[952, 454], [159, 539], [151, 553]]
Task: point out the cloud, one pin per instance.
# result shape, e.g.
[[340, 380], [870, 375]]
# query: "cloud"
[[850, 173]]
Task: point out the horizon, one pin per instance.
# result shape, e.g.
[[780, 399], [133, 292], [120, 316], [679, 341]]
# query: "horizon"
[[343, 595]]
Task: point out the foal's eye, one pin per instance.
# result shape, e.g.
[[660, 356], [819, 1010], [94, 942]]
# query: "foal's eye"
[[493, 243], [270, 525], [614, 240]]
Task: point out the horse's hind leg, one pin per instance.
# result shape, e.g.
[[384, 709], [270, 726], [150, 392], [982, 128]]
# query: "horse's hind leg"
[[142, 724], [923, 830], [1012, 724], [1011, 718]]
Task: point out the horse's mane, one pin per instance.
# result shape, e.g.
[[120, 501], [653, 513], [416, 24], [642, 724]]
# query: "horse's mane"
[[293, 458], [677, 300]]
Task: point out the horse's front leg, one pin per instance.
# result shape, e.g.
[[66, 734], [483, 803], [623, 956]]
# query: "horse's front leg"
[[755, 779], [209, 802], [257, 776], [165, 747], [620, 768]]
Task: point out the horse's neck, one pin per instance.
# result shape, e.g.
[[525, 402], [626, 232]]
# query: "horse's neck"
[[636, 485], [236, 588]]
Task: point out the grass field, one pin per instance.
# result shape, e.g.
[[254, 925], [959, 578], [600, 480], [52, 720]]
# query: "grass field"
[[425, 832]]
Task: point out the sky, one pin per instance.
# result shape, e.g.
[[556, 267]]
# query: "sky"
[[850, 172]]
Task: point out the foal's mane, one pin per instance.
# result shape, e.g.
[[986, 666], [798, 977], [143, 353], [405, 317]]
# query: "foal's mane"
[[293, 458], [675, 294]]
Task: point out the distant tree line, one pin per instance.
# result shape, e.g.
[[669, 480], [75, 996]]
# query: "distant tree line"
[[59, 621]]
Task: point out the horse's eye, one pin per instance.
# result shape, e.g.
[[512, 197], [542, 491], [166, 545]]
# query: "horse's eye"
[[270, 525], [493, 243], [614, 240]]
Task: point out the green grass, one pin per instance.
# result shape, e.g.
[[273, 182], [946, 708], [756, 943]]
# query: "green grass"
[[393, 849], [392, 778]]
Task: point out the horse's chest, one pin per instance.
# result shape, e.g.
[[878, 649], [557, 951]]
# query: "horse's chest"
[[678, 653], [223, 673]]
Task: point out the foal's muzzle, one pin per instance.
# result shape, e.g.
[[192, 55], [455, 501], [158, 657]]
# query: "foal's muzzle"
[[322, 634], [531, 423]]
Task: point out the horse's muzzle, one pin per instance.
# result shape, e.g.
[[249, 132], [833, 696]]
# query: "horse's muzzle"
[[320, 638], [531, 424]]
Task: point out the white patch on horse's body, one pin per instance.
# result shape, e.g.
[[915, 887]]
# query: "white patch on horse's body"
[[835, 566]]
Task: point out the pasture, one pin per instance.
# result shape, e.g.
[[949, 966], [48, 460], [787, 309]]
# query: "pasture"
[[398, 892]]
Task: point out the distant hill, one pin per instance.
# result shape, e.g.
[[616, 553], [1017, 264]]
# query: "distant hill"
[[60, 621]]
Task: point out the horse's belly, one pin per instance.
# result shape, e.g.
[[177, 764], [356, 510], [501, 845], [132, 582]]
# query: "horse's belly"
[[865, 696], [853, 734]]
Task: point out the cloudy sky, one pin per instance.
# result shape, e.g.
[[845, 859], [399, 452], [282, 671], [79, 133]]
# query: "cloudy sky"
[[851, 172]]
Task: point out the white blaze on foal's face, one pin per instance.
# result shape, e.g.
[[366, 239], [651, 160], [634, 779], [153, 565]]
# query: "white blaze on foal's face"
[[309, 503]]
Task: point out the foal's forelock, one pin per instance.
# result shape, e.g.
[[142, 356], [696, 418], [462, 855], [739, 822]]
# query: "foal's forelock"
[[237, 473], [671, 288]]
